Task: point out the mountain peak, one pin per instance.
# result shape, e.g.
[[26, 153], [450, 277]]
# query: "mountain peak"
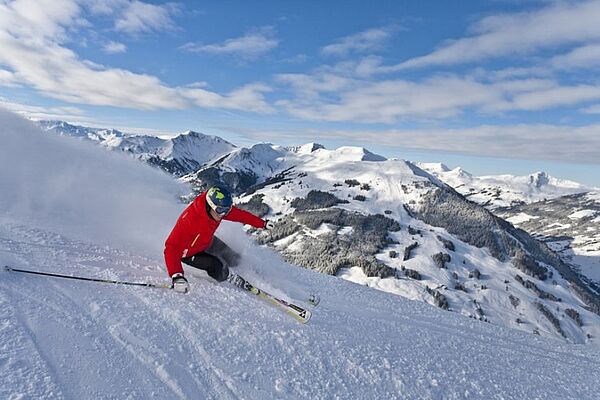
[[434, 168], [459, 172], [307, 148], [352, 153]]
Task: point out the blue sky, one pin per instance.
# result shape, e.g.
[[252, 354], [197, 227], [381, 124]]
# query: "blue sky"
[[492, 86]]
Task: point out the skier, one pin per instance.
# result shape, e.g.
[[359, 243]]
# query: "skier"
[[192, 240]]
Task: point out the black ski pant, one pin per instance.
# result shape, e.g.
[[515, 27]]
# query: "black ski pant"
[[215, 260]]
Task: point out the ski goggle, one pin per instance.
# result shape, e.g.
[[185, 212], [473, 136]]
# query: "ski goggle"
[[222, 211]]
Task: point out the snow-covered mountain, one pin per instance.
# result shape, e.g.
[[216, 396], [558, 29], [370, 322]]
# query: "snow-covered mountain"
[[570, 225], [559, 212], [390, 225], [183, 154], [73, 339], [497, 191], [395, 227]]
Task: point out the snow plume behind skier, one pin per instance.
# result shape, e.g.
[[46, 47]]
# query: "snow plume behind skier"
[[193, 242], [75, 188]]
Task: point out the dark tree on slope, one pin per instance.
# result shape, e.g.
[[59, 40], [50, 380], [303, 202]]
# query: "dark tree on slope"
[[515, 301], [438, 298], [413, 231], [475, 274], [551, 317], [284, 227], [329, 252], [529, 266], [315, 200], [408, 250], [447, 243], [574, 315], [533, 287], [256, 205], [237, 181], [411, 273], [440, 259]]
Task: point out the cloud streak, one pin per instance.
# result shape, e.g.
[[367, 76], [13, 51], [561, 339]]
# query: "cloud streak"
[[340, 97], [249, 46], [39, 112], [135, 17], [366, 41], [515, 34], [114, 48]]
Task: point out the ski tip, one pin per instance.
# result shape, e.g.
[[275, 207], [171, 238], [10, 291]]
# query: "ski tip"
[[305, 316]]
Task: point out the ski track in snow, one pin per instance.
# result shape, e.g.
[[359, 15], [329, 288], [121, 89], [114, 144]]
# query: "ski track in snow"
[[78, 340]]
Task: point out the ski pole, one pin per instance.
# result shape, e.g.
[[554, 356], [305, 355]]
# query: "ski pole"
[[80, 278]]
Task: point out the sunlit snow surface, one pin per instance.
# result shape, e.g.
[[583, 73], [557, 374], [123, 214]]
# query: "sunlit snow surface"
[[81, 340]]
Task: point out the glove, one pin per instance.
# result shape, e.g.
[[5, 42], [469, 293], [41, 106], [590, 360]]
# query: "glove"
[[269, 224], [180, 284]]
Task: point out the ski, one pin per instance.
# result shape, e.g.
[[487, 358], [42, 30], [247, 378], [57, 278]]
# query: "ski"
[[300, 314]]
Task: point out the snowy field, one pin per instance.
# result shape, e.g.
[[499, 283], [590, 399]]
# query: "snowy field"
[[107, 217]]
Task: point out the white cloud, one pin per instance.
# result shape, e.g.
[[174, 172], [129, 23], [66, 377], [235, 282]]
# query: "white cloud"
[[522, 141], [40, 19], [558, 24], [581, 57], [555, 97], [595, 109], [247, 98], [515, 72], [39, 112], [114, 48], [57, 72], [342, 94], [139, 17], [366, 41], [249, 46], [389, 101], [7, 78], [32, 36], [539, 142]]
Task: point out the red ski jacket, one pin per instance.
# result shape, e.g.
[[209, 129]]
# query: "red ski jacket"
[[195, 229]]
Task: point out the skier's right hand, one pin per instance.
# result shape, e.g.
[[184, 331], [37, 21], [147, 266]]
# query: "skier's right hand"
[[180, 284]]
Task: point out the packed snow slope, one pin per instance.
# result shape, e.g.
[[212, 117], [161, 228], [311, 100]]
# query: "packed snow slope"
[[81, 340]]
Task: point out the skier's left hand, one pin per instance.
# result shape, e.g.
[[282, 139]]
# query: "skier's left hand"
[[269, 224]]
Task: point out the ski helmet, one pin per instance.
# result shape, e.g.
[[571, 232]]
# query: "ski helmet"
[[219, 200]]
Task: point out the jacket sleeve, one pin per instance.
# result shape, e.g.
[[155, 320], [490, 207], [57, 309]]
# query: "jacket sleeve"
[[239, 215], [174, 247]]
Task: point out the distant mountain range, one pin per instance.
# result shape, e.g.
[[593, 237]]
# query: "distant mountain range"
[[417, 230], [500, 191], [179, 156]]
